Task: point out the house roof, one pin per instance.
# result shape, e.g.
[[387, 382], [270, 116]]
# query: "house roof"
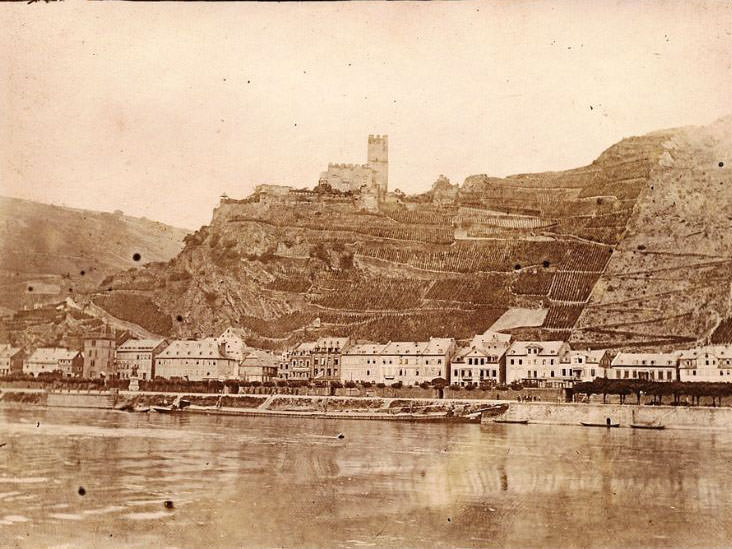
[[52, 354], [645, 359], [482, 350], [715, 351], [258, 357], [331, 342], [306, 346], [8, 351], [240, 332], [592, 356], [140, 345], [365, 349], [197, 348], [545, 347], [439, 345], [404, 348]]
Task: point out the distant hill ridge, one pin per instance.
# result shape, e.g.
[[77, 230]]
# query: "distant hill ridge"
[[630, 251], [51, 251]]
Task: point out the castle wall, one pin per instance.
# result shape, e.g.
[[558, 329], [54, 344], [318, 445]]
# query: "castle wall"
[[348, 177]]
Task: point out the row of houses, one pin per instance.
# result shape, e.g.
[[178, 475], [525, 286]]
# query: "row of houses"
[[492, 358]]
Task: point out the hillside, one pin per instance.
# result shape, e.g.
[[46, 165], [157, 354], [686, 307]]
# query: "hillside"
[[50, 252], [649, 215]]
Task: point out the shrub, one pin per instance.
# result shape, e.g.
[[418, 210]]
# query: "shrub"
[[381, 385], [256, 383], [469, 387], [268, 384], [425, 385], [439, 382], [397, 385], [336, 384], [365, 384], [455, 387], [350, 384]]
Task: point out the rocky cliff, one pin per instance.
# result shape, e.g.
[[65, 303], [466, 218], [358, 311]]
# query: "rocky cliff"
[[628, 251]]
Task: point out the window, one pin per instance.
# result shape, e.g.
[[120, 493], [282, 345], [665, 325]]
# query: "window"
[[592, 373], [455, 373], [552, 374]]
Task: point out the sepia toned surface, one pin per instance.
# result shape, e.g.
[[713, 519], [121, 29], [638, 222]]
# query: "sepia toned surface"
[[365, 274], [258, 482]]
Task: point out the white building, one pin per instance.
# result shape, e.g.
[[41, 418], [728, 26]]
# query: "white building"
[[196, 360], [538, 362], [259, 366], [233, 341], [482, 360], [54, 359], [362, 362], [11, 360], [414, 362], [712, 363], [646, 366], [136, 358], [586, 365]]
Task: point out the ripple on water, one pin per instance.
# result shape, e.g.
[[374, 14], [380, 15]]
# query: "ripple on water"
[[147, 516]]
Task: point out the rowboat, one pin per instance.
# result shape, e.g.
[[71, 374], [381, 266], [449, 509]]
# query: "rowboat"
[[165, 409], [516, 421], [608, 424], [656, 426]]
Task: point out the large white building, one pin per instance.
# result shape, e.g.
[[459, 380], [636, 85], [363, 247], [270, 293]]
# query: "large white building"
[[136, 358], [54, 359], [408, 362], [538, 362], [361, 362], [646, 366], [712, 363], [482, 360], [196, 360]]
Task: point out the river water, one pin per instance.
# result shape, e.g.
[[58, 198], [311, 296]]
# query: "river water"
[[288, 482]]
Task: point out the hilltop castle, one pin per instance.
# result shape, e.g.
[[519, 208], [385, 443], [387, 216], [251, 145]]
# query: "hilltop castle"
[[374, 175]]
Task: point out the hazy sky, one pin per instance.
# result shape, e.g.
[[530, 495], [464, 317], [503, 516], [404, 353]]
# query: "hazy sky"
[[156, 109]]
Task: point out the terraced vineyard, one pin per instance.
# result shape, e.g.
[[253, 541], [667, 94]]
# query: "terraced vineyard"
[[587, 244]]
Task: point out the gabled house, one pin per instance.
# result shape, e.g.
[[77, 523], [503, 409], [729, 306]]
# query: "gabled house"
[[54, 359], [711, 363], [482, 360], [538, 362], [646, 366], [11, 360]]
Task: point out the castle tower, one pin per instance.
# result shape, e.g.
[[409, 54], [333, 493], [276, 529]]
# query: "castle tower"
[[378, 160]]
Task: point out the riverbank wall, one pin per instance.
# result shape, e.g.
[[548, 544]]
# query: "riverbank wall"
[[671, 417]]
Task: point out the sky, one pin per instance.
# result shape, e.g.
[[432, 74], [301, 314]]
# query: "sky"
[[156, 109]]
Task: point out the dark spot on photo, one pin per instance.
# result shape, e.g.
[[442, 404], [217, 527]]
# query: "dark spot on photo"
[[168, 504], [82, 273], [30, 288], [136, 256], [721, 164], [82, 491], [517, 267], [179, 318], [545, 263]]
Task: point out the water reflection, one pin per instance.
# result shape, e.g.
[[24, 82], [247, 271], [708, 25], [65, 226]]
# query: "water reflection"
[[265, 482]]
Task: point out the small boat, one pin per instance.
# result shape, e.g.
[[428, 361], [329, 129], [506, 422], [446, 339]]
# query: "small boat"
[[594, 424], [165, 409], [516, 421], [141, 409], [656, 426]]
